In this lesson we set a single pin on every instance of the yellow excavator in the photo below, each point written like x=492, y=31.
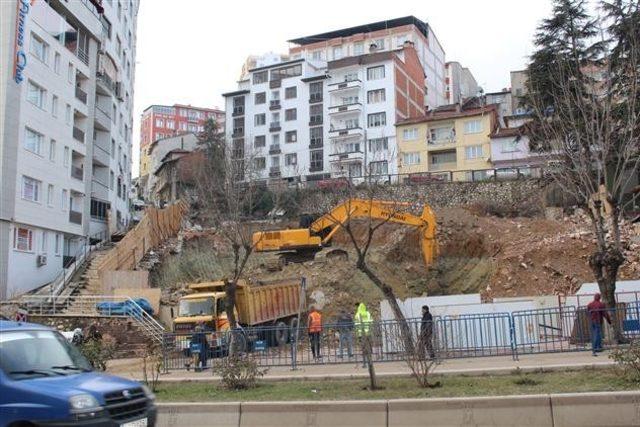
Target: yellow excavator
x=303, y=243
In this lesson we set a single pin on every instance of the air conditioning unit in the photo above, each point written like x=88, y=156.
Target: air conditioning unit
x=41, y=260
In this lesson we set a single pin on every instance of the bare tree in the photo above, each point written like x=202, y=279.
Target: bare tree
x=584, y=90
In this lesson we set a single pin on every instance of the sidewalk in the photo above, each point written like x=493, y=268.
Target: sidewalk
x=132, y=368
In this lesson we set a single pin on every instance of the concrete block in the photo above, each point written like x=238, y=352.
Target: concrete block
x=314, y=414
x=596, y=409
x=198, y=414
x=472, y=411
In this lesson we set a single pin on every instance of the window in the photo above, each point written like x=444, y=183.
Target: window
x=33, y=141
x=39, y=48
x=378, y=144
x=290, y=114
x=441, y=134
x=315, y=114
x=401, y=39
x=358, y=48
x=411, y=158
x=375, y=96
x=375, y=73
x=70, y=73
x=56, y=63
x=238, y=126
x=159, y=123
x=170, y=124
x=112, y=180
x=317, y=160
x=52, y=150
x=283, y=73
x=337, y=52
x=67, y=114
x=348, y=100
x=509, y=146
x=275, y=161
x=260, y=77
x=65, y=159
x=315, y=91
x=315, y=136
x=259, y=141
x=275, y=139
x=410, y=134
x=31, y=189
x=376, y=120
x=290, y=159
x=290, y=92
x=473, y=152
x=54, y=106
x=440, y=158
x=35, y=94
x=65, y=200
x=473, y=126
x=99, y=210
x=23, y=239
x=259, y=163
x=379, y=168
x=260, y=98
x=350, y=147
x=50, y=195
x=43, y=242
x=57, y=247
x=291, y=136
x=275, y=120
x=113, y=149
x=260, y=119
x=316, y=55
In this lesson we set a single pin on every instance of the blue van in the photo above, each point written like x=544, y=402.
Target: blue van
x=45, y=381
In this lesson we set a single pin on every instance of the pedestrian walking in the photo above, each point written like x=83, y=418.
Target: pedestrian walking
x=426, y=331
x=315, y=329
x=345, y=333
x=362, y=323
x=597, y=312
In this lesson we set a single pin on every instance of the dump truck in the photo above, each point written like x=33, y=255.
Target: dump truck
x=274, y=305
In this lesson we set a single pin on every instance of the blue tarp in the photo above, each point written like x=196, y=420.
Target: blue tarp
x=125, y=308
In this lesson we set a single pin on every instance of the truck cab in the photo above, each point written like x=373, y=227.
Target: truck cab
x=45, y=380
x=207, y=308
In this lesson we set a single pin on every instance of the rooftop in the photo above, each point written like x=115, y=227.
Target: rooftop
x=422, y=26
x=215, y=109
x=451, y=111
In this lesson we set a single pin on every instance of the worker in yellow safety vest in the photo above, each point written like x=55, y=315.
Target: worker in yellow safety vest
x=362, y=322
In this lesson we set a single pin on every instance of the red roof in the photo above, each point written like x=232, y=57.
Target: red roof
x=447, y=112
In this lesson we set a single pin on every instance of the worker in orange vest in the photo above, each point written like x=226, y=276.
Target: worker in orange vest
x=315, y=329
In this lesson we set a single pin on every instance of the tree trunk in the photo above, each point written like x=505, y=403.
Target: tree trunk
x=230, y=287
x=605, y=264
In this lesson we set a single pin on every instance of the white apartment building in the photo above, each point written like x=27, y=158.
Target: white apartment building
x=331, y=110
x=66, y=104
x=460, y=83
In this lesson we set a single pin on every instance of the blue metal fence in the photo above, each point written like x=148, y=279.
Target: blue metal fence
x=547, y=330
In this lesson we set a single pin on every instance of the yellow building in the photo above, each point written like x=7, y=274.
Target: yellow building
x=449, y=143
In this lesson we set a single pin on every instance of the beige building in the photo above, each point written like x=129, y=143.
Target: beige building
x=449, y=143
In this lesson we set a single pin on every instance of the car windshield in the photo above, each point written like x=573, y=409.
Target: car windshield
x=196, y=307
x=29, y=354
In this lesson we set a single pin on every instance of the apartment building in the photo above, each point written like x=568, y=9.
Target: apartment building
x=66, y=98
x=449, y=142
x=460, y=83
x=163, y=121
x=386, y=35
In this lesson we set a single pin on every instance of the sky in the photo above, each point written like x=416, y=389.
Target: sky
x=191, y=51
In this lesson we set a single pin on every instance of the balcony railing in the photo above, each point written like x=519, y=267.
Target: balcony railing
x=442, y=166
x=274, y=105
x=315, y=120
x=106, y=81
x=81, y=95
x=273, y=84
x=274, y=171
x=83, y=55
x=274, y=149
x=315, y=97
x=238, y=132
x=75, y=217
x=316, y=143
x=238, y=111
x=78, y=134
x=77, y=173
x=274, y=126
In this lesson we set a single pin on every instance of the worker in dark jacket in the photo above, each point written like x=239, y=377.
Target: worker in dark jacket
x=597, y=311
x=426, y=331
x=345, y=332
x=200, y=348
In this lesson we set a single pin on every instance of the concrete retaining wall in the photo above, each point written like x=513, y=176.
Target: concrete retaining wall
x=557, y=410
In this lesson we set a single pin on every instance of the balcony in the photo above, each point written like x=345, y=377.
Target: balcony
x=77, y=172
x=274, y=171
x=345, y=133
x=347, y=157
x=106, y=83
x=275, y=149
x=443, y=166
x=78, y=135
x=344, y=109
x=316, y=167
x=316, y=143
x=315, y=120
x=75, y=217
x=102, y=119
x=99, y=190
x=101, y=155
x=274, y=126
x=345, y=85
x=441, y=141
x=238, y=132
x=315, y=97
x=238, y=111
x=274, y=105
x=274, y=84
x=81, y=95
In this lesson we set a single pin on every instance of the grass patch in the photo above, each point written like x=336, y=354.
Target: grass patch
x=395, y=388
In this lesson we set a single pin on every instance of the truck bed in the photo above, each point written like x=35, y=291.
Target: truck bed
x=268, y=302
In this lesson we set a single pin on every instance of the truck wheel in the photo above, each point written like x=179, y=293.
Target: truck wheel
x=281, y=333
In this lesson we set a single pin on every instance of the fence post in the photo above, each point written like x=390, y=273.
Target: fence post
x=512, y=333
x=164, y=353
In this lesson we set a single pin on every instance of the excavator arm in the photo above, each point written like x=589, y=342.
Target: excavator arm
x=321, y=231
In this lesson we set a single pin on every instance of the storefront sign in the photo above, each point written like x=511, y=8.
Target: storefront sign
x=19, y=53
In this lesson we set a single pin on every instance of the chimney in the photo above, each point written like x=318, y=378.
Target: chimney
x=373, y=47
x=408, y=43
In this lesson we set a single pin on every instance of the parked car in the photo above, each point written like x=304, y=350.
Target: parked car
x=333, y=184
x=45, y=380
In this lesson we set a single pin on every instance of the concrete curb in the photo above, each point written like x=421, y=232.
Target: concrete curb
x=558, y=410
x=399, y=374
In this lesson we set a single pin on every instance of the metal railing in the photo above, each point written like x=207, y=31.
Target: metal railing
x=81, y=95
x=558, y=329
x=78, y=134
x=75, y=217
x=95, y=305
x=77, y=172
